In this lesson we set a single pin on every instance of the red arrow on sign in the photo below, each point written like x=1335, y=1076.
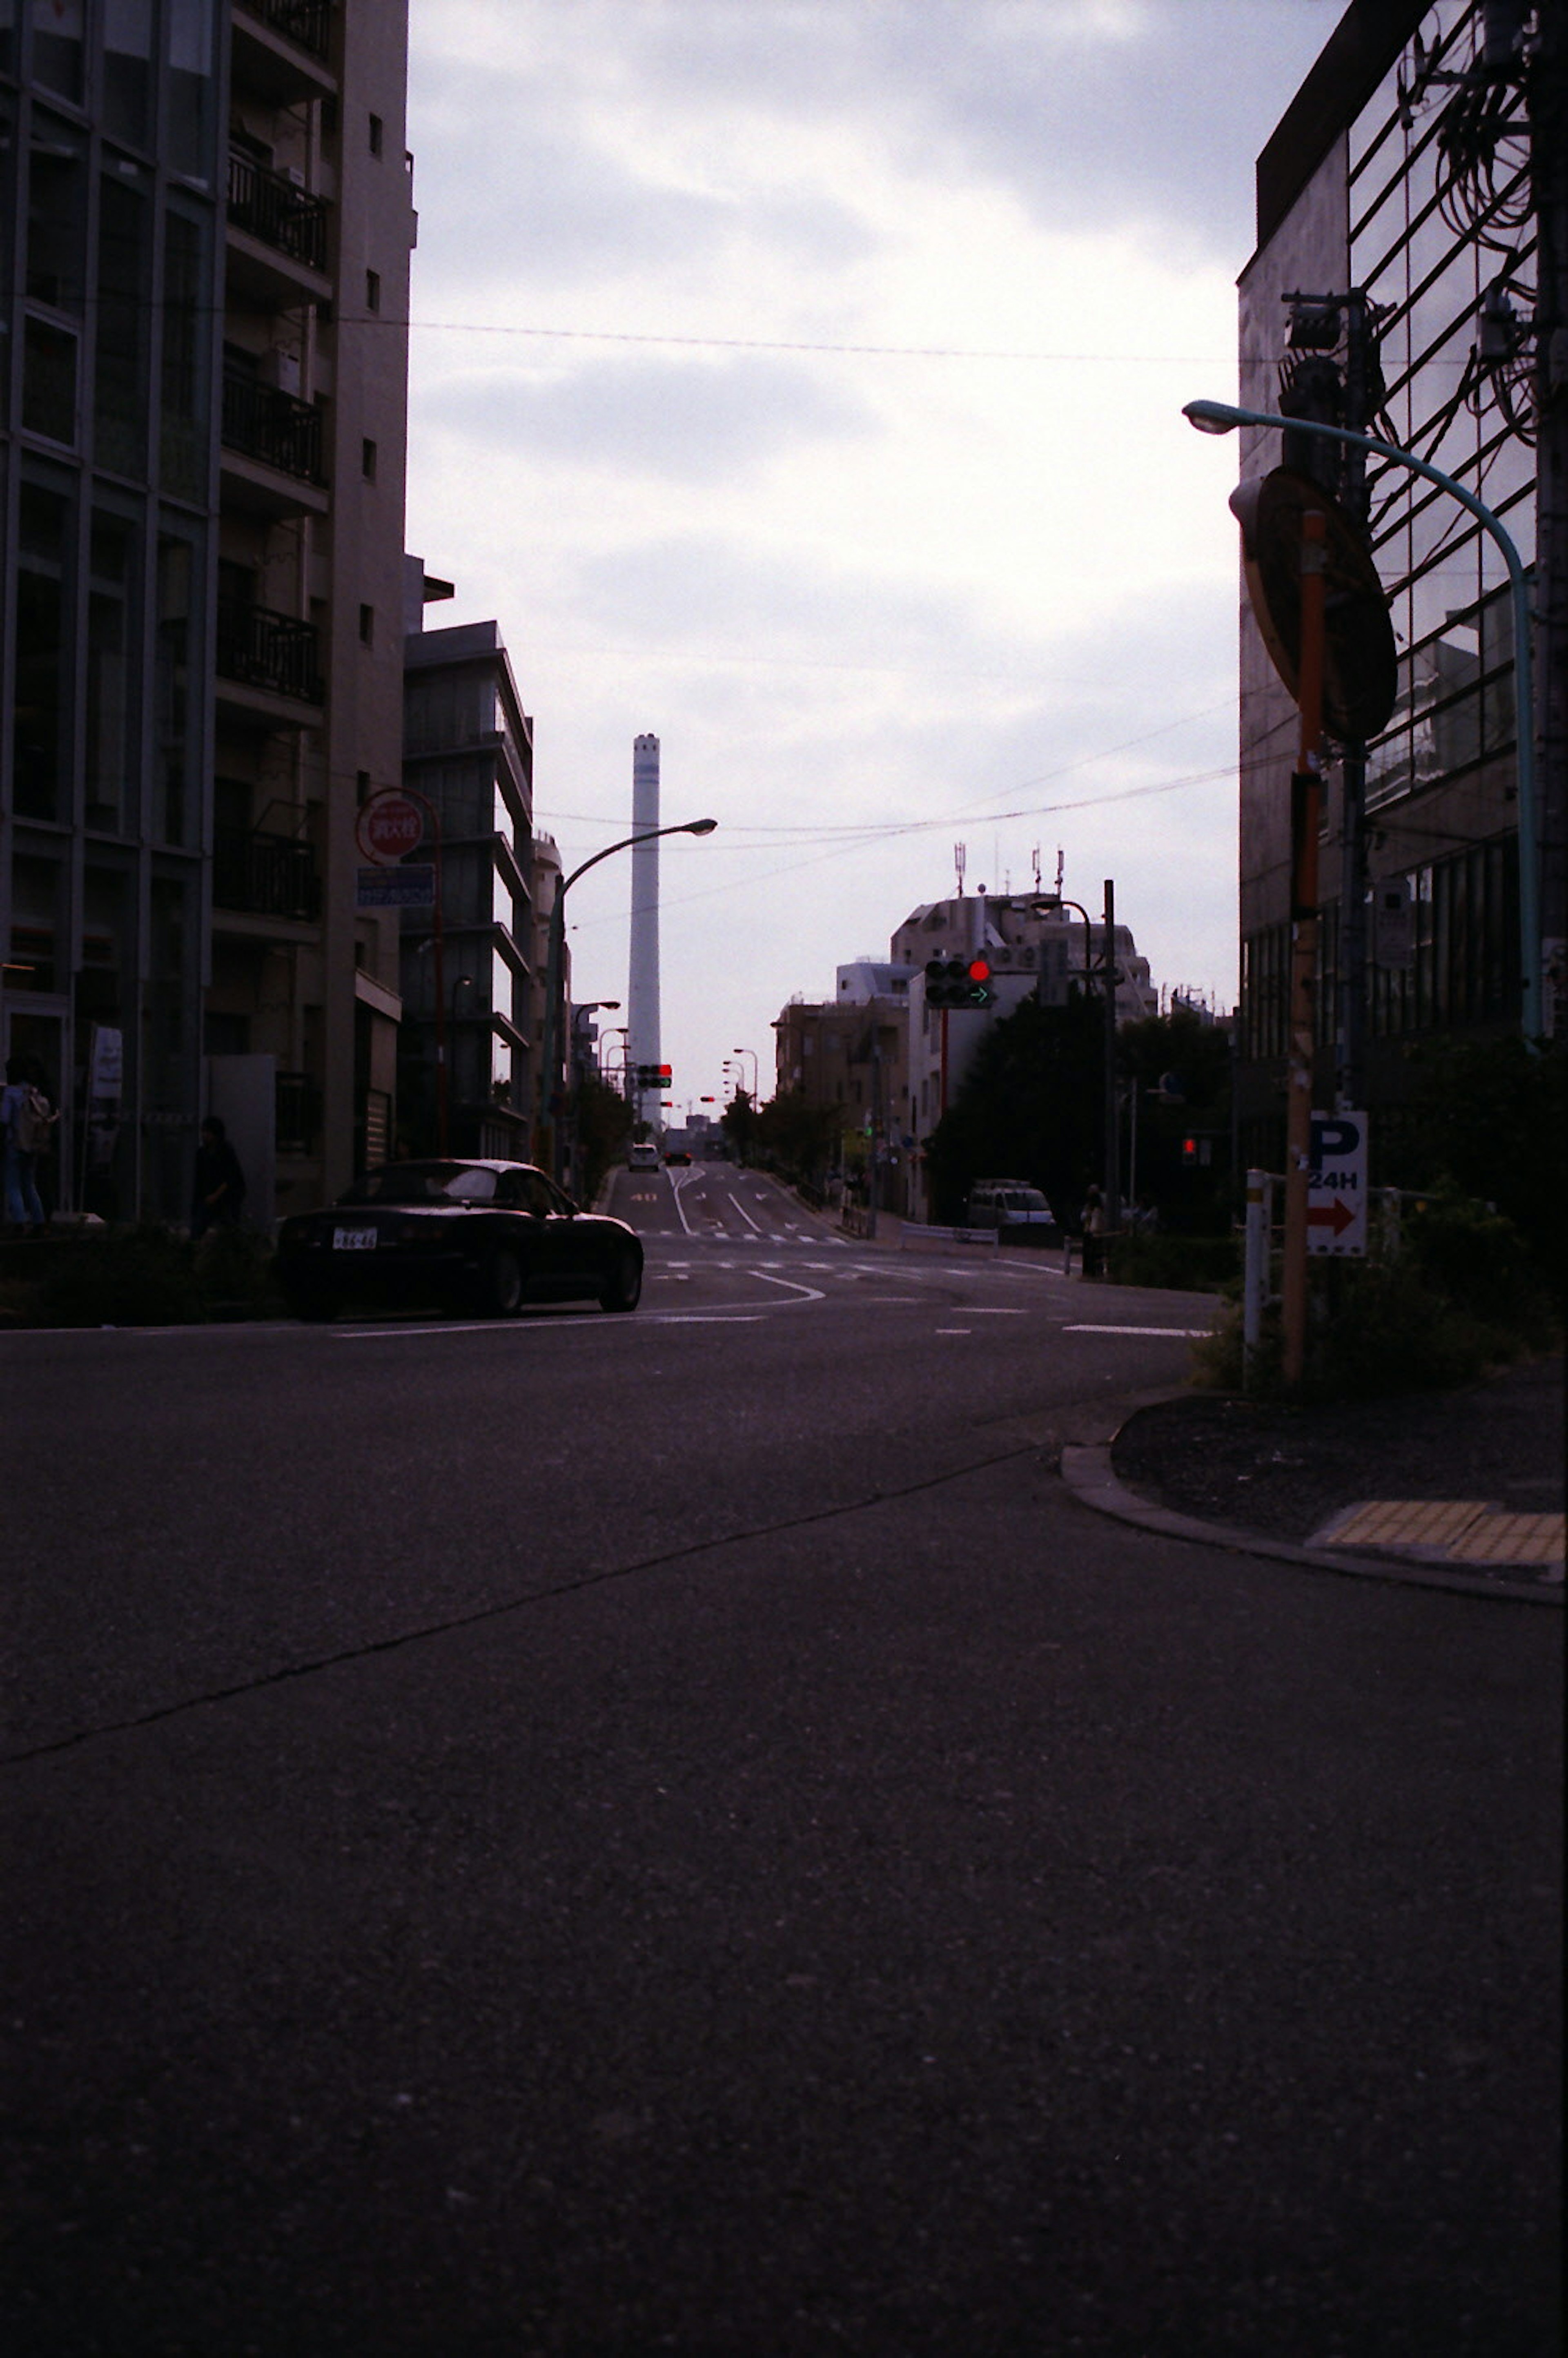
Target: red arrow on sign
x=1337, y=1216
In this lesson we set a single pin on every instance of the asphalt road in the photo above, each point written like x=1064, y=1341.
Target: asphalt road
x=607, y=1835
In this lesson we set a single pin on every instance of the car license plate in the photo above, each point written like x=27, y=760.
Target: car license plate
x=353, y=1240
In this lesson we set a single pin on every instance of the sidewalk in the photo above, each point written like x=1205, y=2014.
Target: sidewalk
x=1452, y=1489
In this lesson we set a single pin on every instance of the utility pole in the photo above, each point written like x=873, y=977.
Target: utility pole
x=1317, y=388
x=1546, y=96
x=1113, y=1123
x=1306, y=803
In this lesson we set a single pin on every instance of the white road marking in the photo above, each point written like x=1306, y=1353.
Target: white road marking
x=680, y=1208
x=1193, y=1334
x=754, y=1224
x=811, y=1293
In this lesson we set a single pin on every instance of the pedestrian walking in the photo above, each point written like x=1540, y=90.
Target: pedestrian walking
x=27, y=1119
x=219, y=1193
x=1092, y=1222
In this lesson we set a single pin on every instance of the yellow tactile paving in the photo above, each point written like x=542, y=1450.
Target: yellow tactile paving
x=1409, y=1522
x=1453, y=1531
x=1500, y=1538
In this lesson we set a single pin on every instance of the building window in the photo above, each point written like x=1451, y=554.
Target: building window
x=367, y=626
x=373, y=290
x=44, y=700
x=375, y=135
x=367, y=460
x=48, y=380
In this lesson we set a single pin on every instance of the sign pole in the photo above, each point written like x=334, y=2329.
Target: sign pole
x=438, y=956
x=1306, y=800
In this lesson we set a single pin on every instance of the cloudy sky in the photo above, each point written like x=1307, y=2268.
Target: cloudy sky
x=801, y=380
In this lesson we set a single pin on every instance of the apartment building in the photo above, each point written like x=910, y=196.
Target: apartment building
x=469, y=754
x=209, y=215
x=1409, y=181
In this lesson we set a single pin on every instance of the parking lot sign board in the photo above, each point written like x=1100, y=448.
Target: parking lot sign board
x=1336, y=1191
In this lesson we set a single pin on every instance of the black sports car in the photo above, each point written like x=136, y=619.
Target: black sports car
x=473, y=1235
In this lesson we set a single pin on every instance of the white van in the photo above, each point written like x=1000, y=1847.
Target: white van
x=1012, y=1207
x=643, y=1155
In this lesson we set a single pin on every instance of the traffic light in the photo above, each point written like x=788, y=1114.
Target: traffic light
x=959, y=982
x=654, y=1076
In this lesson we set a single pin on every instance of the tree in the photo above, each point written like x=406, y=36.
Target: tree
x=802, y=1140
x=739, y=1123
x=1031, y=1108
x=1180, y=1067
x=603, y=1127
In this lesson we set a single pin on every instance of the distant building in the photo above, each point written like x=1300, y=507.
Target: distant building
x=851, y=1059
x=891, y=1064
x=469, y=750
x=1032, y=955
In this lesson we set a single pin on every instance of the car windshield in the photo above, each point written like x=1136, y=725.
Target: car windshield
x=1024, y=1199
x=423, y=1183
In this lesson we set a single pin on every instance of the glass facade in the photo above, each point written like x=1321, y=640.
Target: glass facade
x=1428, y=240
x=1426, y=181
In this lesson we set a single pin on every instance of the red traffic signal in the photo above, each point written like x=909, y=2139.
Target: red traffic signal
x=959, y=982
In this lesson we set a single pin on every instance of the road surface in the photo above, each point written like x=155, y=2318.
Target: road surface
x=595, y=1834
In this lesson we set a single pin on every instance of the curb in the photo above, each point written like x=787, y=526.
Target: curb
x=1089, y=1473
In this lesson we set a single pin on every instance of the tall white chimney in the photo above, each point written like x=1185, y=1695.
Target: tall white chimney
x=643, y=978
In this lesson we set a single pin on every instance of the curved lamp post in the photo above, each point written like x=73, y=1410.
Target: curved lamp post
x=1223, y=418
x=554, y=975
x=756, y=1069
x=1045, y=904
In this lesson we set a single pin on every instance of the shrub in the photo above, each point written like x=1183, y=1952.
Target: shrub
x=1480, y=1263
x=235, y=1272
x=1188, y=1264
x=1456, y=1293
x=133, y=1277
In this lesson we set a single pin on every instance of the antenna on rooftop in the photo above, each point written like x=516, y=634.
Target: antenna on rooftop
x=960, y=861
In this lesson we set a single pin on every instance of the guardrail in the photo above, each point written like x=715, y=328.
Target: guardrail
x=911, y=1238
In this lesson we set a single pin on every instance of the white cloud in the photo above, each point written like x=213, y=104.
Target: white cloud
x=847, y=585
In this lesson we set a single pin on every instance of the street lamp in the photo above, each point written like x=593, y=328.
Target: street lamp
x=555, y=964
x=1223, y=418
x=756, y=1069
x=621, y=1031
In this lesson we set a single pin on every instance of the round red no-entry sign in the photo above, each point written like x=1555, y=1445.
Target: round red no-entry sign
x=389, y=826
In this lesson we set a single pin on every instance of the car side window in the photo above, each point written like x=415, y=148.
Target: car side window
x=529, y=1191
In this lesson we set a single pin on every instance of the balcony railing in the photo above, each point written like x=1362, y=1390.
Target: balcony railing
x=307, y=22
x=265, y=875
x=264, y=423
x=271, y=208
x=262, y=649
